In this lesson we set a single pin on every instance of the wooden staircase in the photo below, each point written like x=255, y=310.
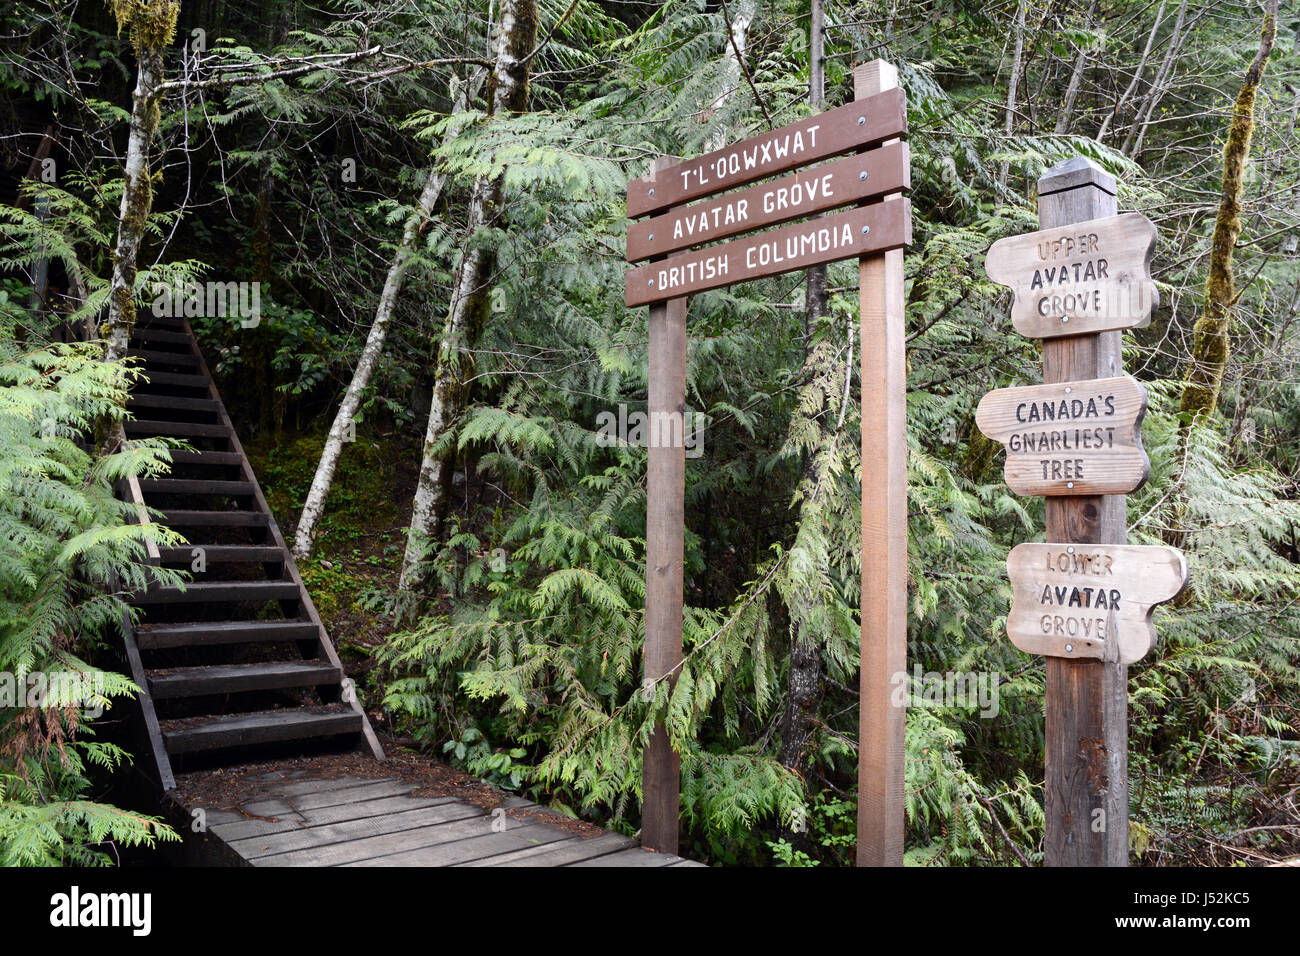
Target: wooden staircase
x=236, y=662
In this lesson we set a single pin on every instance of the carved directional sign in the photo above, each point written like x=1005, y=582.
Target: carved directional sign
x=1089, y=277
x=854, y=179
x=859, y=232
x=1090, y=600
x=865, y=122
x=1072, y=438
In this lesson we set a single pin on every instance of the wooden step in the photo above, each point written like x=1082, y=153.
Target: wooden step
x=215, y=519
x=148, y=320
x=163, y=358
x=218, y=591
x=173, y=401
x=195, y=486
x=178, y=379
x=156, y=333
x=223, y=554
x=240, y=678
x=201, y=457
x=299, y=723
x=146, y=428
x=154, y=637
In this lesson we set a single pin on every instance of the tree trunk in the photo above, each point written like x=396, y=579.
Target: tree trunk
x=806, y=688
x=1076, y=78
x=1137, y=133
x=151, y=28
x=1210, y=342
x=1292, y=241
x=1013, y=82
x=803, y=699
x=508, y=92
x=260, y=347
x=341, y=430
x=151, y=25
x=737, y=44
x=1137, y=75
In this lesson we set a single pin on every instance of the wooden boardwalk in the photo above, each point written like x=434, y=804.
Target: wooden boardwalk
x=300, y=820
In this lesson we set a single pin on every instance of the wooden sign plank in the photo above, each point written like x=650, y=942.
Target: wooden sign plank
x=861, y=123
x=1090, y=600
x=1070, y=438
x=886, y=225
x=868, y=175
x=1093, y=276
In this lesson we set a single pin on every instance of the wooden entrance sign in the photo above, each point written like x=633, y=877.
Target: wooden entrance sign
x=886, y=225
x=866, y=176
x=1088, y=277
x=1075, y=438
x=862, y=123
x=875, y=231
x=1084, y=598
x=1078, y=600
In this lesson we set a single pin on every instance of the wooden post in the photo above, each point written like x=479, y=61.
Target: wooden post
x=884, y=535
x=1086, y=789
x=665, y=541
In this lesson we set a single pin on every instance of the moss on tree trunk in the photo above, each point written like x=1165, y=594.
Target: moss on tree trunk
x=1204, y=378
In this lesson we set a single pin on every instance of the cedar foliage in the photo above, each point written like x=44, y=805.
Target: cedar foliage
x=71, y=549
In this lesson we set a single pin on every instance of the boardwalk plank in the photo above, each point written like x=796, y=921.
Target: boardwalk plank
x=329, y=798
x=354, y=821
x=631, y=857
x=479, y=846
x=387, y=844
x=322, y=835
x=286, y=818
x=570, y=851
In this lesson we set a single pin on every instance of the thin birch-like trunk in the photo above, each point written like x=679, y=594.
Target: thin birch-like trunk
x=151, y=25
x=516, y=40
x=1076, y=79
x=1138, y=131
x=1013, y=83
x=341, y=429
x=137, y=203
x=737, y=45
x=1137, y=75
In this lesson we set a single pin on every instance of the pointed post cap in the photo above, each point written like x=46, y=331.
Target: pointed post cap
x=1073, y=173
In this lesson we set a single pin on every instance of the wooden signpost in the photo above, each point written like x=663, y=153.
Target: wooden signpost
x=1079, y=279
x=1075, y=438
x=874, y=231
x=1077, y=600
x=1084, y=599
